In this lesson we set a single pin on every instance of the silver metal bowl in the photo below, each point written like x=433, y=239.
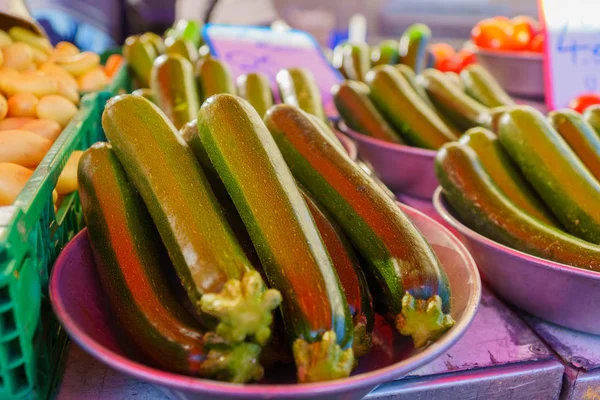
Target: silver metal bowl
x=558, y=293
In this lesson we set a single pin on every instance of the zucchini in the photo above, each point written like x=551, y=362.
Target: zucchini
x=256, y=88
x=132, y=264
x=216, y=274
x=580, y=136
x=456, y=79
x=483, y=207
x=174, y=88
x=385, y=52
x=405, y=277
x=293, y=256
x=157, y=42
x=140, y=56
x=297, y=87
x=337, y=59
x=357, y=61
x=182, y=47
x=350, y=274
x=352, y=101
x=505, y=174
x=554, y=170
x=214, y=77
x=413, y=46
x=592, y=117
x=483, y=87
x=461, y=109
x=495, y=115
x=405, y=110
x=145, y=93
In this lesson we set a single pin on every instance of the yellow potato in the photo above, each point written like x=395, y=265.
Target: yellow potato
x=79, y=64
x=55, y=71
x=3, y=107
x=14, y=123
x=57, y=108
x=1, y=59
x=64, y=49
x=23, y=147
x=67, y=91
x=43, y=127
x=39, y=57
x=30, y=82
x=19, y=34
x=93, y=80
x=18, y=56
x=67, y=181
x=22, y=105
x=13, y=178
x=5, y=39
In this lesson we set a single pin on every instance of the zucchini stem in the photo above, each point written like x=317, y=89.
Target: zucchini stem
x=362, y=338
x=237, y=364
x=423, y=320
x=322, y=360
x=244, y=309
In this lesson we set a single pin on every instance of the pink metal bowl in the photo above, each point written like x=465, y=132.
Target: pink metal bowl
x=405, y=169
x=559, y=293
x=348, y=144
x=80, y=304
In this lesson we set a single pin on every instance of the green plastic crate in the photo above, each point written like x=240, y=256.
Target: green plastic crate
x=32, y=234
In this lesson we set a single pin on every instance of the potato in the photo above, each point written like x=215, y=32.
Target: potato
x=22, y=105
x=93, y=80
x=13, y=178
x=18, y=56
x=64, y=49
x=67, y=181
x=19, y=34
x=54, y=70
x=23, y=147
x=3, y=107
x=43, y=127
x=69, y=92
x=30, y=82
x=5, y=39
x=57, y=108
x=13, y=123
x=79, y=64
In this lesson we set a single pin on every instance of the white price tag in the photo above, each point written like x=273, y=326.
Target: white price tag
x=572, y=54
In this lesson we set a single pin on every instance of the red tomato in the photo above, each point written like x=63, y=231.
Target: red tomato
x=530, y=23
x=537, y=43
x=493, y=33
x=450, y=64
x=582, y=102
x=521, y=36
x=442, y=50
x=466, y=57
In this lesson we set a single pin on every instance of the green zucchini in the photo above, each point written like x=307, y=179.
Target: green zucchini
x=132, y=264
x=157, y=42
x=592, y=117
x=413, y=46
x=404, y=274
x=505, y=174
x=214, y=77
x=386, y=52
x=554, y=170
x=292, y=253
x=461, y=109
x=216, y=274
x=456, y=79
x=350, y=274
x=483, y=87
x=405, y=110
x=483, y=207
x=297, y=87
x=352, y=101
x=256, y=88
x=357, y=61
x=580, y=136
x=140, y=56
x=174, y=88
x=182, y=47
x=337, y=59
x=495, y=116
x=145, y=93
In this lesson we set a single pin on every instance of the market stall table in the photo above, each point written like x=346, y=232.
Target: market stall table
x=499, y=354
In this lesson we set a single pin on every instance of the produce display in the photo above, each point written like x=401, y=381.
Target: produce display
x=519, y=34
x=521, y=199
x=202, y=190
x=40, y=86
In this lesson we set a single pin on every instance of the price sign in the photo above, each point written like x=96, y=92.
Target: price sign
x=252, y=49
x=572, y=54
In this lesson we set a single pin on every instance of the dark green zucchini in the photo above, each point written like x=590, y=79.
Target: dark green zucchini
x=292, y=253
x=216, y=274
x=385, y=52
x=132, y=264
x=592, y=117
x=357, y=61
x=413, y=46
x=256, y=88
x=214, y=77
x=408, y=284
x=483, y=87
x=482, y=206
x=297, y=87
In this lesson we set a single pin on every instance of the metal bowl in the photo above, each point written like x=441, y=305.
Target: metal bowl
x=519, y=73
x=81, y=306
x=348, y=144
x=556, y=292
x=405, y=169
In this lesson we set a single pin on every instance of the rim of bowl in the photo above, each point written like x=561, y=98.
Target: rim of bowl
x=348, y=143
x=182, y=382
x=439, y=203
x=521, y=55
x=382, y=143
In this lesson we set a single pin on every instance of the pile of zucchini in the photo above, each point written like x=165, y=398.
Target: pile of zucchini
x=239, y=233
x=532, y=184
